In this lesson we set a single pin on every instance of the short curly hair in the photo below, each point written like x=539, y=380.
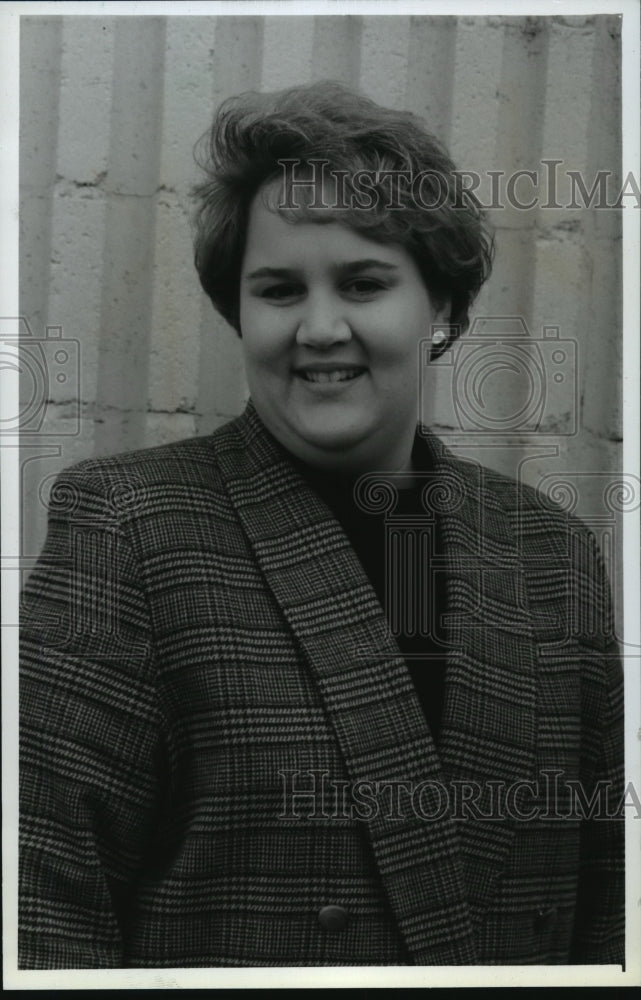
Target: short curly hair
x=254, y=135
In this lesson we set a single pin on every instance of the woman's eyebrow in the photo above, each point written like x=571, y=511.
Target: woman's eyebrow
x=272, y=272
x=353, y=266
x=347, y=268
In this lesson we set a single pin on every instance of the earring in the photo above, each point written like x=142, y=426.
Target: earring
x=439, y=337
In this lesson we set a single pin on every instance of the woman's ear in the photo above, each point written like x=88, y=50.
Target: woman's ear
x=443, y=331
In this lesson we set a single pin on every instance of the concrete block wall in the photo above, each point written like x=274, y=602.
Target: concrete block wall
x=110, y=110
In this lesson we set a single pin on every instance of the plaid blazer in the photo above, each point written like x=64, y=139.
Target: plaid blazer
x=223, y=758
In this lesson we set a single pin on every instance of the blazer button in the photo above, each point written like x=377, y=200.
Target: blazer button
x=333, y=918
x=543, y=918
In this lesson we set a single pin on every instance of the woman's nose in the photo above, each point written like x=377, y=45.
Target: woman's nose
x=323, y=324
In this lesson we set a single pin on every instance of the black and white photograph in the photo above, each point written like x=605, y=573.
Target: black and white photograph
x=321, y=495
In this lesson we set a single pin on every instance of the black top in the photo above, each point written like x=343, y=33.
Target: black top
x=396, y=549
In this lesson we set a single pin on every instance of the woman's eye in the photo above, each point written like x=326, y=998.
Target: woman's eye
x=281, y=291
x=364, y=287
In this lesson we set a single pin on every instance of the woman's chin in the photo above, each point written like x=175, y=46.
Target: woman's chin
x=332, y=438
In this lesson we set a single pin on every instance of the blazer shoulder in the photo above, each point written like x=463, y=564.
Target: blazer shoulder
x=190, y=461
x=544, y=528
x=521, y=501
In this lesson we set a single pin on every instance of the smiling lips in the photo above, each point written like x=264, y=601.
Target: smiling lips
x=330, y=374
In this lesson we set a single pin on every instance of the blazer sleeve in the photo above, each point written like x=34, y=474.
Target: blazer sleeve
x=599, y=931
x=90, y=743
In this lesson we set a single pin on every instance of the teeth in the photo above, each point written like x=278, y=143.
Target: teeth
x=335, y=376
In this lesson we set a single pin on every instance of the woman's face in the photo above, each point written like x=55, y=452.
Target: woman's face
x=331, y=324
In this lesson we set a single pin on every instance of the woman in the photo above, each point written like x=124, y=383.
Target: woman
x=236, y=750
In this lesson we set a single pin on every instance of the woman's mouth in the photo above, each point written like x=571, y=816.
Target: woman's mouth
x=329, y=375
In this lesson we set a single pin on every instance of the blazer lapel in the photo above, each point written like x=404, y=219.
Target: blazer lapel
x=428, y=863
x=488, y=733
